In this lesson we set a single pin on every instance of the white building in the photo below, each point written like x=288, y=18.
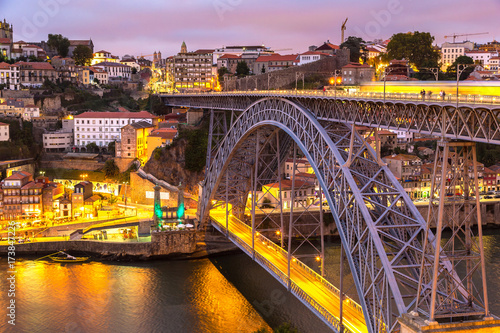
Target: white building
x=115, y=70
x=451, y=51
x=103, y=128
x=57, y=141
x=103, y=56
x=493, y=64
x=481, y=57
x=4, y=132
x=311, y=56
x=10, y=76
x=132, y=63
x=30, y=111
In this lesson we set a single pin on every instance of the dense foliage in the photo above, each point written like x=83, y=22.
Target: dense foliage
x=415, y=47
x=59, y=43
x=357, y=49
x=82, y=55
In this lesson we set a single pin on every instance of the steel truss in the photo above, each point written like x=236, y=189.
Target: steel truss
x=380, y=228
x=454, y=204
x=478, y=123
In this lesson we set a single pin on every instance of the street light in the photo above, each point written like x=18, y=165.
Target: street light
x=83, y=176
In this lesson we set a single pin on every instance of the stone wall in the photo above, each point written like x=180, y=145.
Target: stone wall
x=139, y=186
x=123, y=163
x=162, y=244
x=286, y=77
x=91, y=165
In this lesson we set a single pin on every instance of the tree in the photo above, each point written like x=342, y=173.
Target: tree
x=111, y=147
x=59, y=43
x=82, y=55
x=221, y=72
x=242, y=69
x=91, y=147
x=451, y=71
x=96, y=80
x=110, y=169
x=357, y=49
x=263, y=70
x=415, y=47
x=134, y=70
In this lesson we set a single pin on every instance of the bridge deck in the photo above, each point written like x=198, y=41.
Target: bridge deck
x=314, y=291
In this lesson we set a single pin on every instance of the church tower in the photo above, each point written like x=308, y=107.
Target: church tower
x=184, y=48
x=5, y=30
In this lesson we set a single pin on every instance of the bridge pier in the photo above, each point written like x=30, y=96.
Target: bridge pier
x=415, y=324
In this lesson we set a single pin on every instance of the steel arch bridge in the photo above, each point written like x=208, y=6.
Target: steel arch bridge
x=383, y=245
x=381, y=230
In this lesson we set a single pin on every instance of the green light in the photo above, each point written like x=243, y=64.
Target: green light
x=158, y=212
x=180, y=211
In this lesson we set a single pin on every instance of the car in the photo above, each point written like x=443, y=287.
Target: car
x=488, y=197
x=497, y=196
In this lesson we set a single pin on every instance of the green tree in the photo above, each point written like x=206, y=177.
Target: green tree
x=82, y=55
x=357, y=49
x=286, y=328
x=415, y=47
x=110, y=169
x=59, y=43
x=111, y=147
x=451, y=71
x=96, y=80
x=242, y=69
x=221, y=71
x=91, y=147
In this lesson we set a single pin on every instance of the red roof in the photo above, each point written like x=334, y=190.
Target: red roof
x=36, y=65
x=5, y=41
x=277, y=57
x=32, y=185
x=18, y=175
x=286, y=184
x=356, y=65
x=372, y=49
x=204, y=51
x=164, y=133
x=328, y=46
x=316, y=53
x=4, y=124
x=108, y=114
x=229, y=56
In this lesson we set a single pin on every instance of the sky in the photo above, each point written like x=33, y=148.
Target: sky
x=287, y=26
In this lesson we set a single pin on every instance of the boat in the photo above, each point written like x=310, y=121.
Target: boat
x=69, y=259
x=64, y=257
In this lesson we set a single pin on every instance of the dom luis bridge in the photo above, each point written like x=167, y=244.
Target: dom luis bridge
x=407, y=278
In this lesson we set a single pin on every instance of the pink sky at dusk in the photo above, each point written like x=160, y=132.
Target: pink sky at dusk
x=135, y=27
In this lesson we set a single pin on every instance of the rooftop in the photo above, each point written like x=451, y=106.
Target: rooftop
x=110, y=114
x=141, y=124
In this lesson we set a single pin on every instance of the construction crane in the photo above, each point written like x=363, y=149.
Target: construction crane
x=474, y=34
x=342, y=29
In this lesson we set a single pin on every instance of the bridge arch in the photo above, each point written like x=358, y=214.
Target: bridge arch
x=379, y=226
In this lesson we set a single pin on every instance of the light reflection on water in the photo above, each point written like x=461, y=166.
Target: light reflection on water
x=216, y=295
x=158, y=296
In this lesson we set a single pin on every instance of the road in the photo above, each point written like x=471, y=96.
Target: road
x=353, y=318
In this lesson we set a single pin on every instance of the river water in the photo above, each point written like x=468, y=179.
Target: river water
x=223, y=294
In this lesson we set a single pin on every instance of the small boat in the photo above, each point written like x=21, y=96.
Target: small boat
x=69, y=259
x=64, y=257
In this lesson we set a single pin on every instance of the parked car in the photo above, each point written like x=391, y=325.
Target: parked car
x=488, y=197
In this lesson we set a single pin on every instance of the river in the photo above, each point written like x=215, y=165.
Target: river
x=222, y=294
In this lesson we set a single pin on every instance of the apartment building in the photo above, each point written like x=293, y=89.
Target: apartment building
x=103, y=128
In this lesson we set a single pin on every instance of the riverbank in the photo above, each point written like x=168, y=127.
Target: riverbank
x=176, y=245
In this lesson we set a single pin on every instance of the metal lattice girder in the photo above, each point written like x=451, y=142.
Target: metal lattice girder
x=378, y=224
x=454, y=205
x=478, y=123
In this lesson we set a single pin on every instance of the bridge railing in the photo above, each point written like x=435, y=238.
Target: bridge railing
x=449, y=98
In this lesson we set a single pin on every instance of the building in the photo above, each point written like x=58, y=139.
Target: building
x=98, y=76
x=160, y=138
x=73, y=44
x=4, y=132
x=51, y=193
x=12, y=108
x=493, y=64
x=407, y=169
x=82, y=192
x=274, y=62
x=481, y=57
x=13, y=193
x=328, y=47
x=355, y=73
x=30, y=111
x=229, y=61
x=103, y=56
x=191, y=70
x=115, y=70
x=311, y=56
x=489, y=180
x=304, y=196
x=132, y=63
x=33, y=74
x=301, y=166
x=451, y=51
x=133, y=143
x=241, y=51
x=58, y=141
x=103, y=128
x=10, y=76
